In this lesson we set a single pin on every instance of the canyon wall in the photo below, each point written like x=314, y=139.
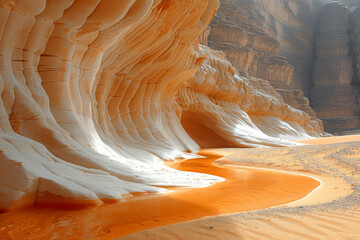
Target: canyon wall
x=221, y=108
x=87, y=91
x=301, y=48
x=293, y=24
x=257, y=36
x=93, y=94
x=348, y=3
x=335, y=95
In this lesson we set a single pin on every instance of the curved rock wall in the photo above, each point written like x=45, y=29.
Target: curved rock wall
x=348, y=3
x=88, y=92
x=244, y=112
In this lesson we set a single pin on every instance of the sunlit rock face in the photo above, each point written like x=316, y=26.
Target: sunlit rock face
x=88, y=91
x=217, y=104
x=87, y=98
x=335, y=94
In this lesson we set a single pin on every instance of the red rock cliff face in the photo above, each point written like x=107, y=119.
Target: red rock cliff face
x=92, y=94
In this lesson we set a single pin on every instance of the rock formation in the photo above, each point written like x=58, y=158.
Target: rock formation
x=86, y=98
x=348, y=3
x=288, y=43
x=217, y=103
x=333, y=97
x=247, y=31
x=238, y=30
x=88, y=92
x=355, y=45
x=293, y=23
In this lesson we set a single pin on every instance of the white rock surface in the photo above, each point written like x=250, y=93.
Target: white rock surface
x=87, y=106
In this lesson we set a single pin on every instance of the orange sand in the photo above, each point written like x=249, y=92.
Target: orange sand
x=329, y=140
x=245, y=189
x=331, y=212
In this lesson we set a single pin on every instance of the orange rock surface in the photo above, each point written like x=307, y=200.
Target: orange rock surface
x=92, y=94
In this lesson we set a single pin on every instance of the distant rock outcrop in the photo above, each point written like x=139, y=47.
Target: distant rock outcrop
x=238, y=30
x=304, y=48
x=293, y=23
x=355, y=44
x=246, y=30
x=334, y=97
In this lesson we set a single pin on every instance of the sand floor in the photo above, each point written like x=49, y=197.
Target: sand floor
x=329, y=140
x=330, y=212
x=244, y=189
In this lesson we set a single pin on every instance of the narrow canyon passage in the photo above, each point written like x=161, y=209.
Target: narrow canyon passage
x=244, y=190
x=95, y=95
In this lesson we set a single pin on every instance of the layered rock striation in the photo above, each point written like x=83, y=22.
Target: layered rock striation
x=293, y=24
x=223, y=109
x=305, y=49
x=334, y=95
x=253, y=33
x=355, y=44
x=238, y=30
x=92, y=94
x=87, y=91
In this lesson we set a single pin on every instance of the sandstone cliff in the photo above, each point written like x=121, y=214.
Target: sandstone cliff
x=301, y=52
x=88, y=93
x=293, y=24
x=223, y=109
x=256, y=35
x=335, y=94
x=86, y=97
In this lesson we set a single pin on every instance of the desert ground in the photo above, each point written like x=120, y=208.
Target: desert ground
x=332, y=211
x=241, y=189
x=302, y=192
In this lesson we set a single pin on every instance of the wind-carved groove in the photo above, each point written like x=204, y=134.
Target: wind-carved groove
x=102, y=87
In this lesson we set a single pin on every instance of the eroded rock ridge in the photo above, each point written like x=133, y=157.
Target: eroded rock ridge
x=92, y=94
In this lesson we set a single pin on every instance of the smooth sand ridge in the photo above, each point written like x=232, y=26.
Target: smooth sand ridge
x=329, y=140
x=244, y=190
x=331, y=212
